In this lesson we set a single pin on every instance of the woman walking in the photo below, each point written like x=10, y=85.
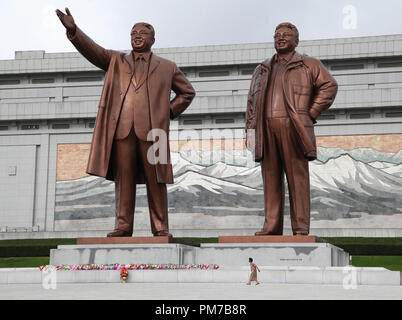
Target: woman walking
x=253, y=275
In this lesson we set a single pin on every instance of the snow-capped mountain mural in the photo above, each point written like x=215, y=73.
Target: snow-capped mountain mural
x=218, y=189
x=365, y=155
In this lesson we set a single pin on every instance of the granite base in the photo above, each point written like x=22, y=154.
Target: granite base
x=315, y=254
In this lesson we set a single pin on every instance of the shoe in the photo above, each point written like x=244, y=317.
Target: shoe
x=300, y=233
x=119, y=233
x=162, y=234
x=266, y=233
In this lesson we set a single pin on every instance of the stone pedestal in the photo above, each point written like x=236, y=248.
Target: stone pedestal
x=273, y=254
x=230, y=252
x=274, y=251
x=169, y=253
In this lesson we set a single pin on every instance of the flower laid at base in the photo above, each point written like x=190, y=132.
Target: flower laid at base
x=130, y=267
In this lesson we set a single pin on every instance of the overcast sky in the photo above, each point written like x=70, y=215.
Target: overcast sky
x=33, y=25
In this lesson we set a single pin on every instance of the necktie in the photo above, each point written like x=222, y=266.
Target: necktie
x=139, y=70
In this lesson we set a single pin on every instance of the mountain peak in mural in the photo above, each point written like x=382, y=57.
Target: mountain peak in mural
x=342, y=187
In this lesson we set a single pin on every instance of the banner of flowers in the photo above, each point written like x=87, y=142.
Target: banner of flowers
x=130, y=267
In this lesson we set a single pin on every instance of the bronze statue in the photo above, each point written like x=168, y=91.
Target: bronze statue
x=135, y=102
x=287, y=94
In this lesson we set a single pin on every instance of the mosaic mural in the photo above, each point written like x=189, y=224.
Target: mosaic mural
x=357, y=188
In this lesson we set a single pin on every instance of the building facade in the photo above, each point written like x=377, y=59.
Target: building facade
x=48, y=106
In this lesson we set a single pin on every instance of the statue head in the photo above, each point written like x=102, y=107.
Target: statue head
x=286, y=37
x=142, y=37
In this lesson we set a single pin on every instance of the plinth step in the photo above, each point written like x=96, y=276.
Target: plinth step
x=348, y=276
x=131, y=240
x=270, y=239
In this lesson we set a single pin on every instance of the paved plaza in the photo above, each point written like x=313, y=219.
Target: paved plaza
x=197, y=291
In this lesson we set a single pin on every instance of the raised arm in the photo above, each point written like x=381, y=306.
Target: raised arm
x=67, y=20
x=93, y=52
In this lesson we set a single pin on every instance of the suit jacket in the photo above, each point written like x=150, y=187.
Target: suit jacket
x=135, y=111
x=163, y=76
x=308, y=89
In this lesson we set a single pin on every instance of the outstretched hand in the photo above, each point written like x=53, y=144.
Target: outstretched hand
x=67, y=20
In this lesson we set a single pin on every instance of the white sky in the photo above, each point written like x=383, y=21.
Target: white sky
x=33, y=25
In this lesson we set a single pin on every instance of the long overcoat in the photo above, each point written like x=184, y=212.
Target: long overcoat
x=308, y=89
x=163, y=76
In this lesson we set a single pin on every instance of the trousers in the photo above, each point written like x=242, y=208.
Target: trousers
x=283, y=154
x=129, y=156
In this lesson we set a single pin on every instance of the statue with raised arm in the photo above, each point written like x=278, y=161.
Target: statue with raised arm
x=287, y=94
x=133, y=116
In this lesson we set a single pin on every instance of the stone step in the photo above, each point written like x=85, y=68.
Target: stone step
x=348, y=276
x=270, y=239
x=130, y=240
